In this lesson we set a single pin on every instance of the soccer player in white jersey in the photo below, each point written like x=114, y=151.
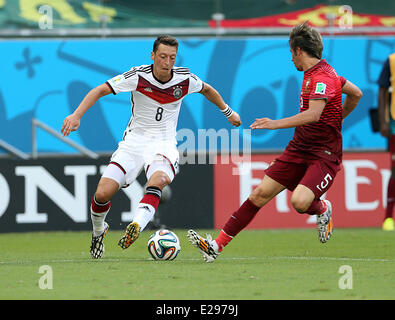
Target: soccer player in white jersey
x=149, y=140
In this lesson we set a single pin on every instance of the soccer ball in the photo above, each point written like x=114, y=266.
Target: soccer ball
x=164, y=245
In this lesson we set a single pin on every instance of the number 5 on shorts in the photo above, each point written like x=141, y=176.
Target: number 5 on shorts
x=324, y=183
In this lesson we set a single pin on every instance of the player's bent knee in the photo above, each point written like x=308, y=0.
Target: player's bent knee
x=300, y=205
x=159, y=179
x=102, y=196
x=160, y=173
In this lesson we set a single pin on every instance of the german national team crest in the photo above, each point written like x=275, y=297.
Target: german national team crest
x=177, y=93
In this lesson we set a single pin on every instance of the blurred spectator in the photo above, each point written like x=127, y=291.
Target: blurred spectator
x=386, y=110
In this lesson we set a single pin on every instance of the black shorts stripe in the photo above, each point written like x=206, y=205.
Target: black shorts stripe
x=171, y=165
x=119, y=166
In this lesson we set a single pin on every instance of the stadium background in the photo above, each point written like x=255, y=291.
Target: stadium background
x=46, y=184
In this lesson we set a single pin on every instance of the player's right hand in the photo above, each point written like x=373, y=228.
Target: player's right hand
x=264, y=123
x=70, y=123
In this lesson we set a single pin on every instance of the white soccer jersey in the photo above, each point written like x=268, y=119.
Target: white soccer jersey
x=155, y=105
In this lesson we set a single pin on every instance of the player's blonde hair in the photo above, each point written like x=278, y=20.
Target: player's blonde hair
x=306, y=38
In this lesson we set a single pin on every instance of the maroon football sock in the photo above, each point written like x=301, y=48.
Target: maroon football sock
x=317, y=207
x=390, y=198
x=97, y=207
x=150, y=199
x=237, y=222
x=222, y=240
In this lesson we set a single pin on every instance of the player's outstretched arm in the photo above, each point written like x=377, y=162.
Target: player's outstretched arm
x=354, y=94
x=311, y=115
x=213, y=96
x=72, y=122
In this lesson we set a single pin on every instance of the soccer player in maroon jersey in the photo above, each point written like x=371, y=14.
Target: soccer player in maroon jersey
x=386, y=108
x=312, y=158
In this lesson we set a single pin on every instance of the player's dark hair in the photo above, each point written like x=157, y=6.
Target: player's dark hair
x=166, y=40
x=306, y=38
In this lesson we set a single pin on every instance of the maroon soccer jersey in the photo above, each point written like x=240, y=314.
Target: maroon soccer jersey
x=322, y=139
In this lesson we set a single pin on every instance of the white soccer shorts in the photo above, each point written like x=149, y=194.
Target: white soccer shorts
x=138, y=152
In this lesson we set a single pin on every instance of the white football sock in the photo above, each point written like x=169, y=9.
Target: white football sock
x=98, y=222
x=144, y=214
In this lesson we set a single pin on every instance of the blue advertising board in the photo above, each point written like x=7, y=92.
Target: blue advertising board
x=47, y=79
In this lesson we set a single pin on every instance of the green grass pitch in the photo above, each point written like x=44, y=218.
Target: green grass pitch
x=256, y=265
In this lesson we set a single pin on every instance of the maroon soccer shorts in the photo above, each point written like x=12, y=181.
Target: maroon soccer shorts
x=317, y=175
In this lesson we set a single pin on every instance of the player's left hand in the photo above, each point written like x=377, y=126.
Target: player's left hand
x=264, y=123
x=235, y=119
